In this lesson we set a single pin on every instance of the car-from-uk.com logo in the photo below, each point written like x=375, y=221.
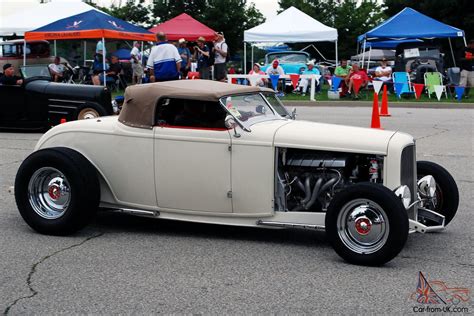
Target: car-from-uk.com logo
x=437, y=297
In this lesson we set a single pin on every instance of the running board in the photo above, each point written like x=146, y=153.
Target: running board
x=290, y=225
x=138, y=212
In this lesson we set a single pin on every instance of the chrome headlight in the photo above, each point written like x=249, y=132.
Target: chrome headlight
x=403, y=192
x=427, y=186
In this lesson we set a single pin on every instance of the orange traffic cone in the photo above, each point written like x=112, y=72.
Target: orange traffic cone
x=375, y=113
x=62, y=121
x=384, y=110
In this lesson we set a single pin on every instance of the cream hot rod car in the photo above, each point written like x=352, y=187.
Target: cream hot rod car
x=202, y=151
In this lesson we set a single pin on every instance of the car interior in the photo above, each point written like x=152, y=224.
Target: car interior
x=172, y=112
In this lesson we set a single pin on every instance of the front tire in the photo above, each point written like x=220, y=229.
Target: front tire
x=446, y=200
x=367, y=224
x=90, y=111
x=57, y=191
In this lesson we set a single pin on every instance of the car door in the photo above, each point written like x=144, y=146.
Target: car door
x=12, y=103
x=192, y=157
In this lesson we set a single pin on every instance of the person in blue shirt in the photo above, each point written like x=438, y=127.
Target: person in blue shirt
x=185, y=57
x=305, y=82
x=164, y=60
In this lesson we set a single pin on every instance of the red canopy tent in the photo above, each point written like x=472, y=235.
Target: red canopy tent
x=184, y=26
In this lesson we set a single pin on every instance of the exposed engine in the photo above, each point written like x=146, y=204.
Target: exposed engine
x=307, y=180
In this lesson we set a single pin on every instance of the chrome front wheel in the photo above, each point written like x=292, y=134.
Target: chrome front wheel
x=366, y=224
x=363, y=226
x=49, y=193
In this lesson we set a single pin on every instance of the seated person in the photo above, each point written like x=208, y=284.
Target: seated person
x=342, y=71
x=9, y=77
x=112, y=72
x=275, y=69
x=356, y=73
x=383, y=72
x=304, y=82
x=57, y=70
x=260, y=82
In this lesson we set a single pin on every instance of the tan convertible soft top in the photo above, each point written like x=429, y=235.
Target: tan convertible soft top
x=140, y=100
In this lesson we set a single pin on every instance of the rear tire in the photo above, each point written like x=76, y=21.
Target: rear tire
x=447, y=193
x=57, y=191
x=367, y=224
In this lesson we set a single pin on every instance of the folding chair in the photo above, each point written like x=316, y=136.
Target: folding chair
x=402, y=77
x=454, y=78
x=433, y=79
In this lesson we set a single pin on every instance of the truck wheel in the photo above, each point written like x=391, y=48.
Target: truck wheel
x=57, y=191
x=446, y=200
x=367, y=224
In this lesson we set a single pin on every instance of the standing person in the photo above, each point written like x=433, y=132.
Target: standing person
x=136, y=61
x=202, y=57
x=56, y=69
x=342, y=71
x=185, y=57
x=467, y=68
x=220, y=50
x=164, y=60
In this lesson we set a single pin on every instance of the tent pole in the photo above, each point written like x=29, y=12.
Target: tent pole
x=465, y=43
x=24, y=52
x=141, y=55
x=363, y=51
x=85, y=52
x=103, y=61
x=245, y=58
x=55, y=49
x=452, y=53
x=368, y=59
x=336, y=53
x=252, y=55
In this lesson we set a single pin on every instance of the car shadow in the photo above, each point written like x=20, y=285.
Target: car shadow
x=118, y=222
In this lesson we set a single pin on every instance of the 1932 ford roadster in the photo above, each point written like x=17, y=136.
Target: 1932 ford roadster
x=202, y=151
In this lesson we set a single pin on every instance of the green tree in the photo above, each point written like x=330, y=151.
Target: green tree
x=232, y=17
x=133, y=11
x=457, y=13
x=350, y=17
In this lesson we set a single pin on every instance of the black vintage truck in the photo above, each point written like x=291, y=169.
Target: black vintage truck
x=38, y=103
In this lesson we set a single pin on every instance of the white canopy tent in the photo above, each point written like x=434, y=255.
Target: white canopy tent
x=290, y=26
x=30, y=16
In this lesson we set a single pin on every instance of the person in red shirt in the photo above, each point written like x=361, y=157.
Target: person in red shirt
x=356, y=73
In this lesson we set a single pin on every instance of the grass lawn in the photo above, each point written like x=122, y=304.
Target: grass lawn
x=364, y=96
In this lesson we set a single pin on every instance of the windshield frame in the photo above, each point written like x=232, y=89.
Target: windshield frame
x=258, y=119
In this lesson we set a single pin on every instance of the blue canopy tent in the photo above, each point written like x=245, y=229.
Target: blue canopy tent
x=390, y=44
x=411, y=24
x=90, y=25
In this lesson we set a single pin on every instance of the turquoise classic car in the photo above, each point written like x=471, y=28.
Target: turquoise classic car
x=290, y=61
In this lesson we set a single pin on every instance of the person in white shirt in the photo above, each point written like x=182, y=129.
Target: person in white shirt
x=220, y=50
x=383, y=72
x=136, y=61
x=57, y=70
x=275, y=69
x=164, y=60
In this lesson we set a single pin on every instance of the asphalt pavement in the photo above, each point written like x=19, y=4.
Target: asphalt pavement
x=128, y=265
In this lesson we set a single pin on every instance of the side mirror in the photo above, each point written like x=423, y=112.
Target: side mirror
x=230, y=123
x=293, y=113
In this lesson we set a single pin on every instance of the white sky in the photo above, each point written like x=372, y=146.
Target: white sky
x=267, y=7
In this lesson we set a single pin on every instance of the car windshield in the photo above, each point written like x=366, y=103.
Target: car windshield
x=251, y=108
x=35, y=71
x=289, y=58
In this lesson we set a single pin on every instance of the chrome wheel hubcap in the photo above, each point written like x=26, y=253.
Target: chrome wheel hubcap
x=49, y=193
x=363, y=226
